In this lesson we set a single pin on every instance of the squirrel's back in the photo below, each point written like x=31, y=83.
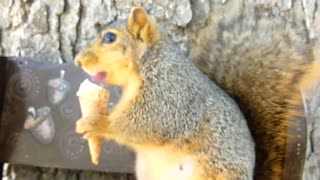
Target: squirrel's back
x=264, y=64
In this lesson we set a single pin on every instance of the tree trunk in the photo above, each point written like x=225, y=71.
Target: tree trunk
x=56, y=30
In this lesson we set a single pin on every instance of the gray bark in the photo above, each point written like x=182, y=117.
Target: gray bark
x=56, y=30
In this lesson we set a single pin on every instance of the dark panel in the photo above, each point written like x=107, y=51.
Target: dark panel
x=3, y=70
x=39, y=115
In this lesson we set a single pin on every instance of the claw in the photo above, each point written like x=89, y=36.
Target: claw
x=88, y=136
x=91, y=124
x=80, y=127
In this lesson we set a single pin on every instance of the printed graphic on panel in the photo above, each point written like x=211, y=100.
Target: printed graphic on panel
x=58, y=89
x=40, y=124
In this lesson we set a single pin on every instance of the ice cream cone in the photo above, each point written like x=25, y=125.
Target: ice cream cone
x=93, y=100
x=95, y=145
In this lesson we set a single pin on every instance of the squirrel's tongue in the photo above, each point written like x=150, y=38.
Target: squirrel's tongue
x=99, y=77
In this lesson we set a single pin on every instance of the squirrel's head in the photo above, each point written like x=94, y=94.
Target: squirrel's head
x=112, y=58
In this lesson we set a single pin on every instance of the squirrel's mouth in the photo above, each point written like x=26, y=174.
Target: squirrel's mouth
x=99, y=77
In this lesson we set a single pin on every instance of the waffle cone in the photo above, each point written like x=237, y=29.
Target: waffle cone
x=91, y=106
x=95, y=145
x=93, y=100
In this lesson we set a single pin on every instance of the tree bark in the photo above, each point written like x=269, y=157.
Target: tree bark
x=55, y=31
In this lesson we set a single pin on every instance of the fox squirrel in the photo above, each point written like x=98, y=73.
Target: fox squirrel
x=179, y=123
x=264, y=64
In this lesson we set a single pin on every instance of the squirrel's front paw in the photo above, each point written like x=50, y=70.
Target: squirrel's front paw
x=93, y=125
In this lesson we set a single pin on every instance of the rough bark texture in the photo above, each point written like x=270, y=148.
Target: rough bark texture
x=55, y=30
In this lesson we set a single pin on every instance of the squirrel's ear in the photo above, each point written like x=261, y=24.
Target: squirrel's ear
x=141, y=26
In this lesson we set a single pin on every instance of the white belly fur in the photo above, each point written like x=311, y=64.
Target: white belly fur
x=159, y=164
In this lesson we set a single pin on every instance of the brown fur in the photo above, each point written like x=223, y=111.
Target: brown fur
x=264, y=65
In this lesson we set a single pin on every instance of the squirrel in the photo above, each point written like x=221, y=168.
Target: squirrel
x=265, y=64
x=180, y=124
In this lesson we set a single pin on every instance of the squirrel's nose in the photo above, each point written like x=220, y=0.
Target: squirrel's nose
x=77, y=62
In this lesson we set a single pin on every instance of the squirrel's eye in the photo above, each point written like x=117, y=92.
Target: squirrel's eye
x=109, y=38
